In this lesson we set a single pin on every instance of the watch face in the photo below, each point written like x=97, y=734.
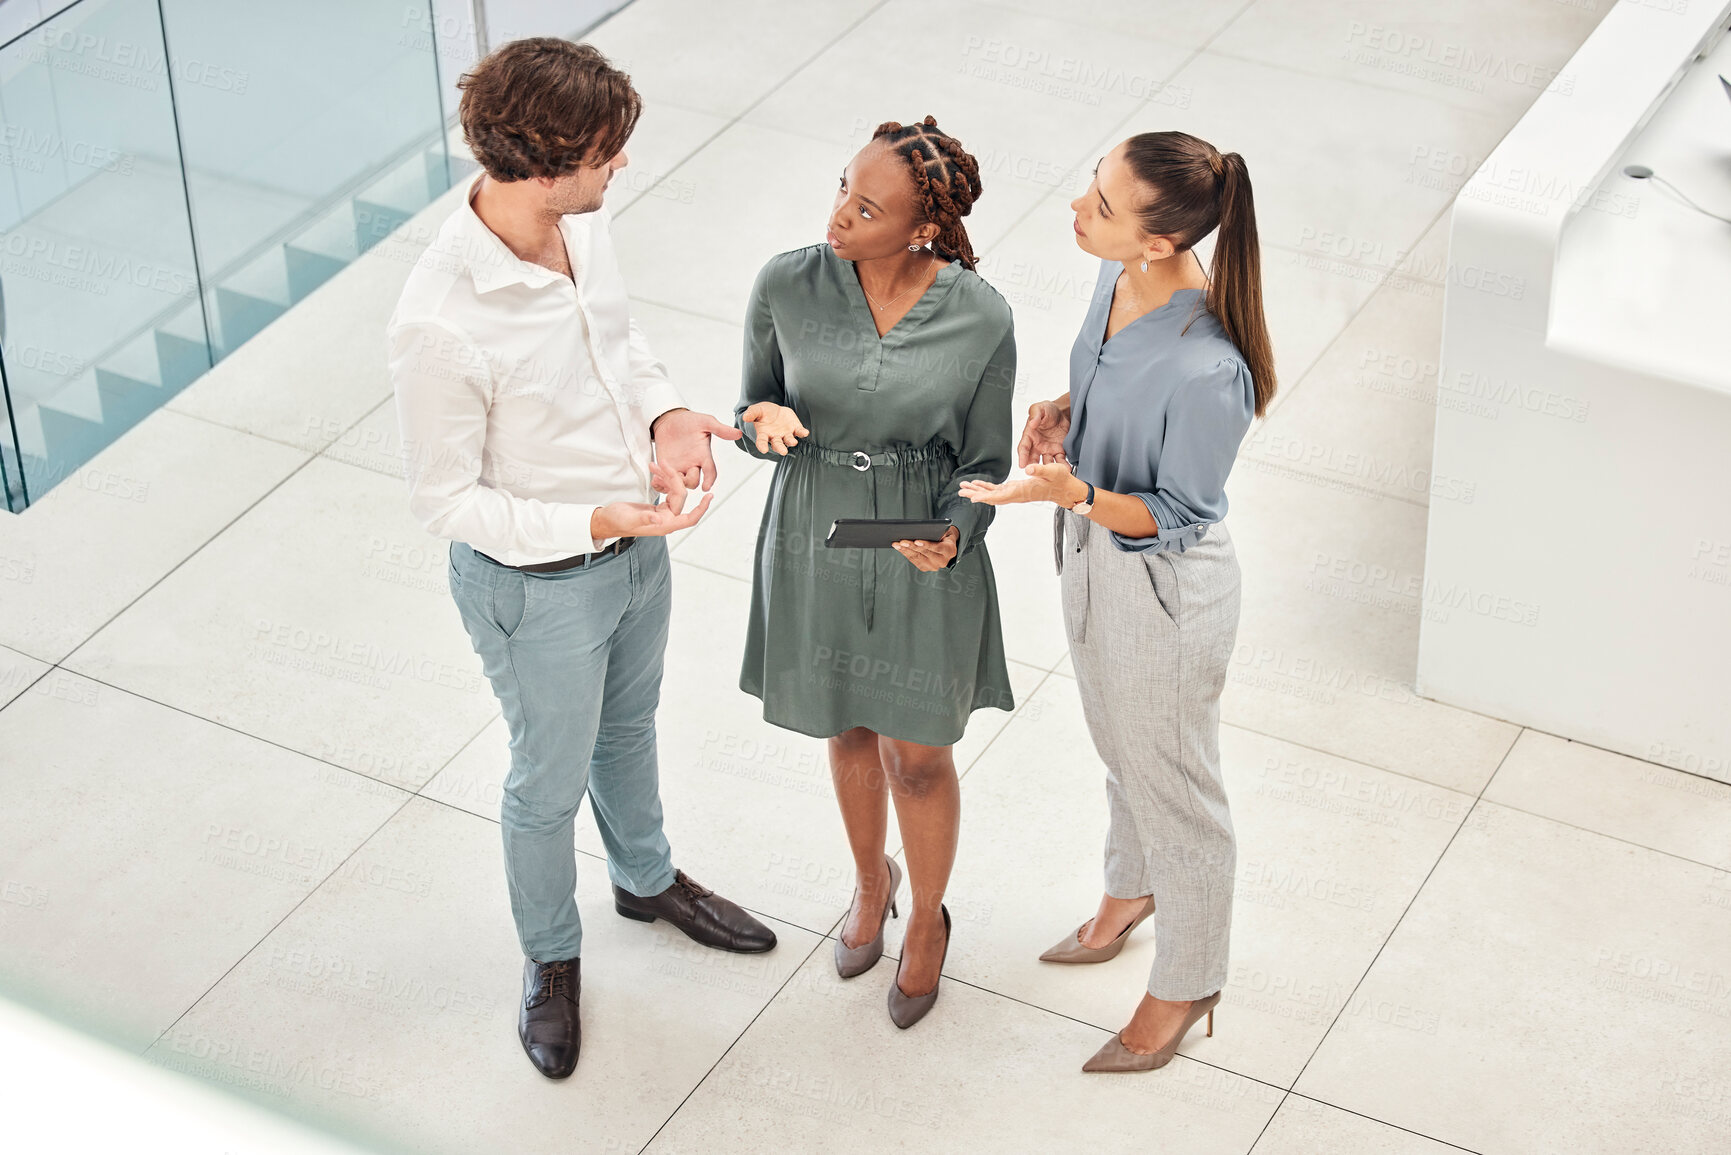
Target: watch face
x=1082, y=507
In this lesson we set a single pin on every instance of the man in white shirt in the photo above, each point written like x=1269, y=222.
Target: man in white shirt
x=537, y=430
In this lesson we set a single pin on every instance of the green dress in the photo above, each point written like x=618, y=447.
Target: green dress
x=842, y=638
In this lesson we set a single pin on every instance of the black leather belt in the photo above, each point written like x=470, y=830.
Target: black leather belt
x=617, y=547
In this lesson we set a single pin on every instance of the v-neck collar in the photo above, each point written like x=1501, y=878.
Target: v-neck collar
x=917, y=312
x=1100, y=338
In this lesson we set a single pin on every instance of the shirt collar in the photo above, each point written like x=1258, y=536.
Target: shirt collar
x=491, y=264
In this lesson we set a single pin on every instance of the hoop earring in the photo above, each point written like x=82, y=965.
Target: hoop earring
x=913, y=248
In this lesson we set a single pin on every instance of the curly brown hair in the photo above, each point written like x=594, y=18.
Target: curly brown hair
x=543, y=106
x=946, y=182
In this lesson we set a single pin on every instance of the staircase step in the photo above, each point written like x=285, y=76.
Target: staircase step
x=241, y=316
x=308, y=269
x=332, y=235
x=126, y=400
x=180, y=361
x=264, y=277
x=70, y=441
x=374, y=222
x=138, y=359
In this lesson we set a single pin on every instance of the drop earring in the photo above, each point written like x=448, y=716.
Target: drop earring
x=1144, y=266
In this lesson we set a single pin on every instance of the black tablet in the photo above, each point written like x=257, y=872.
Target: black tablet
x=878, y=533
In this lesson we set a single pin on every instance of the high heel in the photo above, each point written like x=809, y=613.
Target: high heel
x=856, y=960
x=1115, y=1056
x=906, y=1010
x=1071, y=949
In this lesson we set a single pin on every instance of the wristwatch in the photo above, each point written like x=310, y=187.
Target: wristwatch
x=1086, y=505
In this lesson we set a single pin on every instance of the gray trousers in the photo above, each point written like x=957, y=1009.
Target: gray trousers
x=1151, y=636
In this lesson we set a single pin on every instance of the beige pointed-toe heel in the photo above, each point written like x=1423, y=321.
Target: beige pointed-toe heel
x=1115, y=1056
x=857, y=960
x=1071, y=949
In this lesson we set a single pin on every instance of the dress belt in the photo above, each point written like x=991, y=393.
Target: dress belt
x=562, y=564
x=867, y=463
x=861, y=460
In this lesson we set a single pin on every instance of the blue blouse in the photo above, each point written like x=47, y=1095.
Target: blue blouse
x=1158, y=412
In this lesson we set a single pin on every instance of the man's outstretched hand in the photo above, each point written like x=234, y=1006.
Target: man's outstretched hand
x=640, y=519
x=681, y=439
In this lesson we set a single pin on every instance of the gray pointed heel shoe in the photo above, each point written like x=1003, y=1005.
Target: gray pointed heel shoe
x=857, y=960
x=1115, y=1056
x=1071, y=949
x=906, y=1010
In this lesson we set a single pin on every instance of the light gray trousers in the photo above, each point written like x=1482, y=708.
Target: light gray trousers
x=1151, y=636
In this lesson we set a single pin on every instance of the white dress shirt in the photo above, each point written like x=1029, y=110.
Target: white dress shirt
x=524, y=396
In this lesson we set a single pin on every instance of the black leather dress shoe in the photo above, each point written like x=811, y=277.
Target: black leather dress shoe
x=702, y=914
x=547, y=1023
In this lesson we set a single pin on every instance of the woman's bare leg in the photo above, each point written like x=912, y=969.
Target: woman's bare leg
x=860, y=790
x=928, y=800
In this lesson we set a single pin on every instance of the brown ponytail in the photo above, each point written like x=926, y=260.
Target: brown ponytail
x=1195, y=190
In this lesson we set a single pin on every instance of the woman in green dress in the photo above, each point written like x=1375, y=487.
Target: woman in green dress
x=878, y=376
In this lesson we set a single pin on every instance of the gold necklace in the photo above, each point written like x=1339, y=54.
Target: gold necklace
x=899, y=295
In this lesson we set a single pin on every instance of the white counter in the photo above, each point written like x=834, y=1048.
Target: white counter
x=1585, y=393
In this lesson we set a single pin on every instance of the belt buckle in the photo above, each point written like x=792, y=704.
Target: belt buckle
x=862, y=460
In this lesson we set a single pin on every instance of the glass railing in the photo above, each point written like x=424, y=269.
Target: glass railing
x=176, y=174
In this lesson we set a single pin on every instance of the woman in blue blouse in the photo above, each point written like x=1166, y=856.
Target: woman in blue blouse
x=1170, y=367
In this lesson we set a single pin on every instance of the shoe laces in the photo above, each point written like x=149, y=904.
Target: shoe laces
x=555, y=978
x=690, y=885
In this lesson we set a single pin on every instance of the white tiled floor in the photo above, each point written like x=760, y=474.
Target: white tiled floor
x=237, y=844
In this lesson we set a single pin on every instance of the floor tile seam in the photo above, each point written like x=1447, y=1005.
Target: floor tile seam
x=740, y=116
x=1631, y=757
x=419, y=791
x=601, y=860
x=677, y=560
x=1072, y=23
x=1106, y=138
x=263, y=740
x=1350, y=488
x=1363, y=763
x=698, y=495
x=274, y=927
x=951, y=978
x=48, y=668
x=1629, y=842
x=1394, y=929
x=168, y=406
x=960, y=982
x=735, y=322
x=721, y=1058
x=1373, y=84
x=688, y=311
x=1390, y=271
x=1285, y=395
x=1300, y=1095
x=202, y=546
x=1007, y=723
x=1272, y=736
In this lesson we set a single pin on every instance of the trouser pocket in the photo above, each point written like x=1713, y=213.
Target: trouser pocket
x=1163, y=580
x=507, y=602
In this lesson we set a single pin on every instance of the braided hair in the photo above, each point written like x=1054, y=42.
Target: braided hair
x=946, y=182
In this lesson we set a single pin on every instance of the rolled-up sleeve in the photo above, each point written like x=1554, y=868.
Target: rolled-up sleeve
x=761, y=375
x=986, y=447
x=443, y=390
x=1205, y=423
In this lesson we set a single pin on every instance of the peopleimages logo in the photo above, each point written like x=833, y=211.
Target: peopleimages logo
x=102, y=267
